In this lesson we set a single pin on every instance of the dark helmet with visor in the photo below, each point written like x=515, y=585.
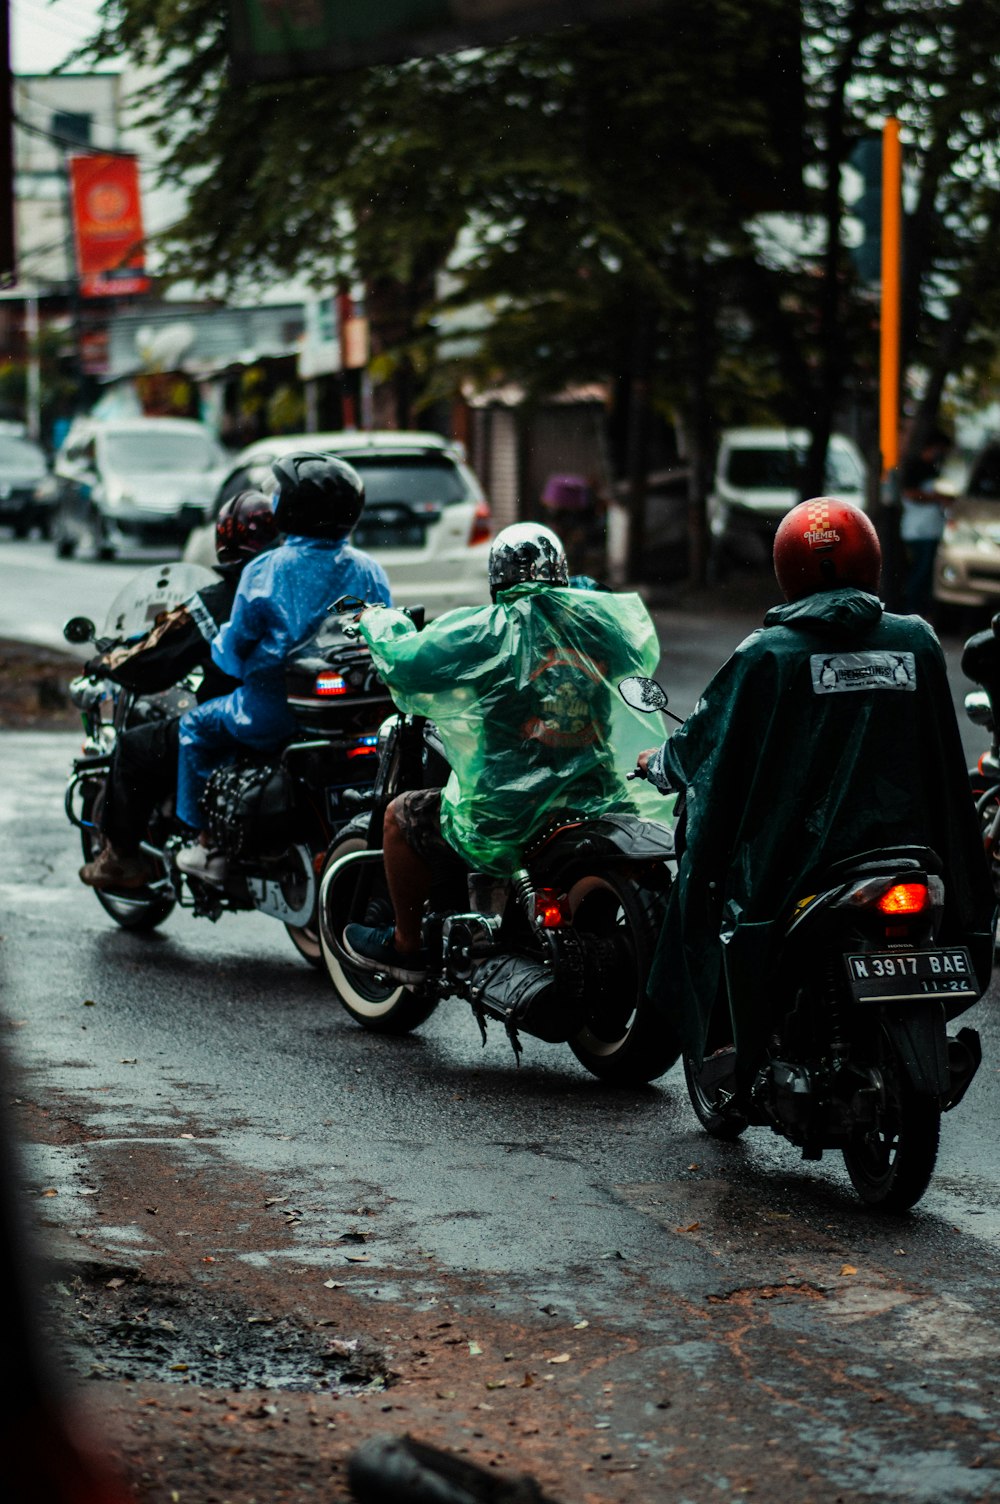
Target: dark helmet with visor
x=244, y=528
x=318, y=496
x=526, y=552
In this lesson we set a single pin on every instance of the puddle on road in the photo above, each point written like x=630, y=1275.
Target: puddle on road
x=121, y=1327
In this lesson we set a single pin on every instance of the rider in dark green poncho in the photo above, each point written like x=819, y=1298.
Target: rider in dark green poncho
x=829, y=732
x=523, y=694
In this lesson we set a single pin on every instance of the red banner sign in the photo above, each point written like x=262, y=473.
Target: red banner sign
x=107, y=225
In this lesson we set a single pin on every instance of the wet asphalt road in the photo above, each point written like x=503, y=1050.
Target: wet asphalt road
x=808, y=1348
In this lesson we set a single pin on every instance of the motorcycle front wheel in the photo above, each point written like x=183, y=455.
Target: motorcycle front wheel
x=624, y=1040
x=891, y=1164
x=381, y=1006
x=137, y=909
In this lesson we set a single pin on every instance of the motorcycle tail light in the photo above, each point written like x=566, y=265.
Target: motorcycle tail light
x=550, y=909
x=482, y=525
x=330, y=684
x=904, y=898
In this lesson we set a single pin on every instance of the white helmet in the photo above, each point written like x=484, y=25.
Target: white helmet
x=524, y=552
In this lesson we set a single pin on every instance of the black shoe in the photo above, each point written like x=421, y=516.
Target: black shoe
x=375, y=950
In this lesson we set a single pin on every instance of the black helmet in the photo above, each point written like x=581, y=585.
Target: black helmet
x=318, y=496
x=244, y=528
x=526, y=551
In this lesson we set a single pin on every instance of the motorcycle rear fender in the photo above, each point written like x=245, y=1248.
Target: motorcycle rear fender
x=616, y=838
x=347, y=868
x=921, y=1043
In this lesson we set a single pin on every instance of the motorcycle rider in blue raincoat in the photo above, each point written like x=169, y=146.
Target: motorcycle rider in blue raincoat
x=282, y=599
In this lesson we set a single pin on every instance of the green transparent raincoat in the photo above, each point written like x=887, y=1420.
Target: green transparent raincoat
x=524, y=694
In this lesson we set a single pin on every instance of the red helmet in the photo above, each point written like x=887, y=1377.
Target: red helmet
x=244, y=528
x=825, y=544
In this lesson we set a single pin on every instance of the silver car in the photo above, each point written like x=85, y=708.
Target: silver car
x=426, y=519
x=133, y=485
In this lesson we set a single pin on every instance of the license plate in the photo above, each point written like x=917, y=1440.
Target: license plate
x=389, y=529
x=907, y=976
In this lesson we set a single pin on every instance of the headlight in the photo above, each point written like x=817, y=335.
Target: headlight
x=85, y=694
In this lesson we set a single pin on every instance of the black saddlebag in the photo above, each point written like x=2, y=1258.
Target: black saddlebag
x=248, y=809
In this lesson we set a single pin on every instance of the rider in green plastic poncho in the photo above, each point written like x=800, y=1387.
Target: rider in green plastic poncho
x=829, y=732
x=523, y=694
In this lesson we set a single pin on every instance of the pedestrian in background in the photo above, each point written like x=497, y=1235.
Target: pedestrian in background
x=922, y=523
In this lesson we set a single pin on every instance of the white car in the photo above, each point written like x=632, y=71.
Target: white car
x=131, y=484
x=426, y=519
x=757, y=476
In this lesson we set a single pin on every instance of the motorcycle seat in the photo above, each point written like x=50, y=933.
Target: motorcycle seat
x=896, y=859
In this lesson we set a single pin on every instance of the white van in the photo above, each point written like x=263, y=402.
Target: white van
x=757, y=480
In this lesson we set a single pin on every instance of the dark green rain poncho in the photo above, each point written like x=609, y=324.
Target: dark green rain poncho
x=524, y=694
x=829, y=732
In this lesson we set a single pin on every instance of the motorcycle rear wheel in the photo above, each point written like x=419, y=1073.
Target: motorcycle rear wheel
x=624, y=1039
x=306, y=940
x=724, y=1122
x=138, y=909
x=891, y=1164
x=382, y=1007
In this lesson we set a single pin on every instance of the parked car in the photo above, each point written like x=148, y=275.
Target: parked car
x=757, y=480
x=967, y=565
x=425, y=517
x=25, y=499
x=132, y=484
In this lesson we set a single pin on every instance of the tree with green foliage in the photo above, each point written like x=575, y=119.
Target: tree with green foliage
x=594, y=192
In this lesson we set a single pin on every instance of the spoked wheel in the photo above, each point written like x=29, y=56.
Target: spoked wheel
x=380, y=1004
x=711, y=1091
x=891, y=1164
x=623, y=1040
x=133, y=908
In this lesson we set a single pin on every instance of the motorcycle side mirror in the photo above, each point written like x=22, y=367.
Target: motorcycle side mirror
x=643, y=694
x=979, y=709
x=417, y=615
x=79, y=629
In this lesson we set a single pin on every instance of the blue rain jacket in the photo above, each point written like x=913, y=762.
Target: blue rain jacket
x=284, y=594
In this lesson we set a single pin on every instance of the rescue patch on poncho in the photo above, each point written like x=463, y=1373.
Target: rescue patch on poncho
x=840, y=673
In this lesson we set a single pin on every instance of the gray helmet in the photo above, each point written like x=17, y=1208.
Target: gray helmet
x=525, y=552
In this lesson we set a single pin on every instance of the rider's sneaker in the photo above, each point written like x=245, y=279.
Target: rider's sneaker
x=202, y=862
x=111, y=869
x=375, y=950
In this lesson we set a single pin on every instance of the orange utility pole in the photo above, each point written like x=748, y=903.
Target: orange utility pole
x=889, y=383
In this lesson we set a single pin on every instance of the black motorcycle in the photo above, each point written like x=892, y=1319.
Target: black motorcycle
x=858, y=1057
x=274, y=816
x=981, y=664
x=560, y=951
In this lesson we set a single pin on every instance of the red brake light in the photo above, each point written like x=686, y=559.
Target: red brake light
x=904, y=898
x=482, y=525
x=330, y=684
x=549, y=909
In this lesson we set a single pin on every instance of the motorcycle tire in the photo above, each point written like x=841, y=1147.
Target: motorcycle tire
x=138, y=909
x=306, y=940
x=382, y=1007
x=724, y=1121
x=624, y=1040
x=891, y=1164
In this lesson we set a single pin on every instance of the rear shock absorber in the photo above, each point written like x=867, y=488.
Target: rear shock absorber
x=834, y=1011
x=524, y=892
